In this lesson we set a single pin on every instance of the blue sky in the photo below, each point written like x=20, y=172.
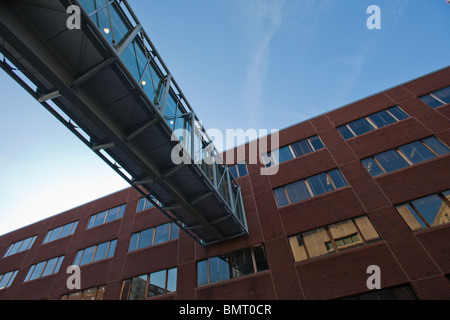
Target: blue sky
x=242, y=64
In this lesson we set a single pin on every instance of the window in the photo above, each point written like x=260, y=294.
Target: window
x=153, y=236
x=106, y=216
x=144, y=204
x=88, y=294
x=20, y=246
x=427, y=211
x=44, y=269
x=7, y=279
x=372, y=122
x=404, y=156
x=397, y=293
x=61, y=232
x=437, y=98
x=150, y=285
x=238, y=170
x=292, y=151
x=95, y=253
x=232, y=265
x=310, y=187
x=333, y=238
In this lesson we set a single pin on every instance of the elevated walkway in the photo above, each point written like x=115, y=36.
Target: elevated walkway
x=107, y=84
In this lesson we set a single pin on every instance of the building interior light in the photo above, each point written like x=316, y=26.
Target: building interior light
x=106, y=30
x=143, y=82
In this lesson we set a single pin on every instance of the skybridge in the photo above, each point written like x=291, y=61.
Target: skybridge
x=106, y=82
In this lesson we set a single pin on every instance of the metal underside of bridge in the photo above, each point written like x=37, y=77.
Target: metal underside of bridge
x=108, y=85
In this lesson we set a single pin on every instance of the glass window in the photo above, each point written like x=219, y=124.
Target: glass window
x=303, y=147
x=431, y=101
x=146, y=238
x=437, y=146
x=112, y=214
x=175, y=231
x=432, y=209
x=50, y=267
x=101, y=252
x=373, y=168
x=297, y=191
x=417, y=152
x=7, y=279
x=317, y=242
x=361, y=126
x=391, y=160
x=285, y=154
x=157, y=284
x=66, y=230
x=233, y=171
x=112, y=249
x=316, y=143
x=134, y=242
x=320, y=184
x=88, y=255
x=137, y=290
x=260, y=258
x=218, y=269
x=162, y=233
x=38, y=270
x=172, y=280
x=345, y=132
x=337, y=178
x=202, y=272
x=382, y=119
x=410, y=216
x=281, y=197
x=242, y=169
x=443, y=94
x=55, y=234
x=241, y=263
x=99, y=219
x=398, y=113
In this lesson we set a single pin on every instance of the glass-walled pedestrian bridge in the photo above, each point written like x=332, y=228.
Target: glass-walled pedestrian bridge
x=96, y=70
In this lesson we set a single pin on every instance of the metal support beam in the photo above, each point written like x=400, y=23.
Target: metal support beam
x=140, y=130
x=93, y=72
x=166, y=93
x=103, y=146
x=129, y=39
x=50, y=96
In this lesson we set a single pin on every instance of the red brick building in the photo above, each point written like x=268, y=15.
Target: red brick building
x=364, y=185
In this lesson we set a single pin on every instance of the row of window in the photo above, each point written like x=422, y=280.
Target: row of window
x=310, y=187
x=106, y=216
x=152, y=236
x=372, y=122
x=61, y=232
x=44, y=268
x=427, y=211
x=20, y=246
x=295, y=150
x=149, y=285
x=232, y=265
x=95, y=253
x=7, y=279
x=89, y=294
x=333, y=238
x=438, y=98
x=404, y=156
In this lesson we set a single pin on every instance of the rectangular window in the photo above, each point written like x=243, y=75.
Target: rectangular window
x=88, y=294
x=310, y=187
x=61, y=232
x=292, y=151
x=44, y=269
x=407, y=155
x=150, y=285
x=20, y=246
x=106, y=216
x=153, y=236
x=238, y=170
x=95, y=253
x=7, y=279
x=333, y=238
x=437, y=98
x=144, y=204
x=232, y=265
x=426, y=212
x=372, y=122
